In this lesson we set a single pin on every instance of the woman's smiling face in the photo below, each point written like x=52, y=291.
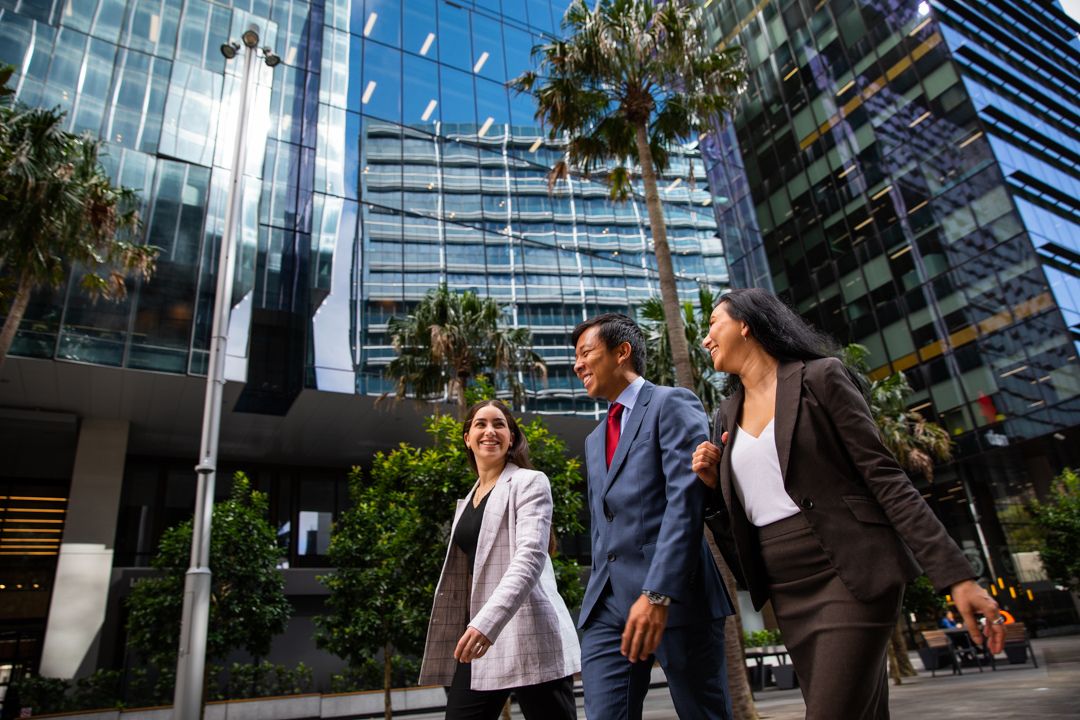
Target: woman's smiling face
x=488, y=436
x=725, y=341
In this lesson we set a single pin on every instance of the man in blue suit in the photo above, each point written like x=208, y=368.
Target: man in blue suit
x=654, y=590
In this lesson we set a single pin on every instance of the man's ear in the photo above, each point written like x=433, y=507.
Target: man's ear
x=624, y=351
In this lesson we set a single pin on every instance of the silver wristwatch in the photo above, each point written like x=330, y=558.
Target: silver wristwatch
x=656, y=598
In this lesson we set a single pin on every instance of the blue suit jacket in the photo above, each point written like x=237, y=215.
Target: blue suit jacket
x=647, y=511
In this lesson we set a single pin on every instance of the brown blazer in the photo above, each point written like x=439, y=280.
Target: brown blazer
x=868, y=517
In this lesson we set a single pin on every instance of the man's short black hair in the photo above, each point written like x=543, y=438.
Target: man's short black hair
x=614, y=329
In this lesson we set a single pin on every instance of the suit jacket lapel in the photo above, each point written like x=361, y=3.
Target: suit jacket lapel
x=594, y=459
x=460, y=509
x=497, y=503
x=626, y=437
x=788, y=390
x=730, y=415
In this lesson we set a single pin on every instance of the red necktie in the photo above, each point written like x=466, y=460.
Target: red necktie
x=614, y=428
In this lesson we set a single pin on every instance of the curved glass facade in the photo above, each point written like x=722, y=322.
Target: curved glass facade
x=385, y=156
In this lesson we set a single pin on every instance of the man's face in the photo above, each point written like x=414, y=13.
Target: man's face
x=598, y=367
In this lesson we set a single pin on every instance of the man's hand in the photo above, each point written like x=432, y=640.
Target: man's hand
x=706, y=458
x=472, y=645
x=644, y=628
x=969, y=599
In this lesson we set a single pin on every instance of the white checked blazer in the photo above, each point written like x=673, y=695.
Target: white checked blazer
x=513, y=600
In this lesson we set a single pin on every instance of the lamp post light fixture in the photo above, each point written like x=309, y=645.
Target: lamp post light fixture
x=191, y=658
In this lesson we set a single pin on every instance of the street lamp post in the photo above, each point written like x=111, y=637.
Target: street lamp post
x=191, y=659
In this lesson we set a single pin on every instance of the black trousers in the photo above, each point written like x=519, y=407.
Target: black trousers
x=553, y=700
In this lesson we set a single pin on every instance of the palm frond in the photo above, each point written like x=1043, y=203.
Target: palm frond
x=451, y=338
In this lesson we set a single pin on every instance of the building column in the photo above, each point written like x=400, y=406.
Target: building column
x=84, y=567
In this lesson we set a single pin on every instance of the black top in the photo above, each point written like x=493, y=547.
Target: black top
x=467, y=533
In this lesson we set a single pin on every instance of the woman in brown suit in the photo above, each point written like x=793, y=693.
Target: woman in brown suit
x=816, y=514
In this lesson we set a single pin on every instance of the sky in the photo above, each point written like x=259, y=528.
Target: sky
x=1072, y=7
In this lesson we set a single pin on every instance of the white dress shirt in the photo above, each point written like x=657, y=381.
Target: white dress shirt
x=758, y=480
x=627, y=398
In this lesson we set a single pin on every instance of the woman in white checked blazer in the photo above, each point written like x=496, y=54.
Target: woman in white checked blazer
x=498, y=624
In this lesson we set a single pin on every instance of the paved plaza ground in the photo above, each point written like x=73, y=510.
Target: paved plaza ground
x=1012, y=691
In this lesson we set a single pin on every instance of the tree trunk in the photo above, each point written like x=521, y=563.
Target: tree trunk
x=669, y=294
x=900, y=648
x=742, y=697
x=894, y=667
x=388, y=708
x=15, y=314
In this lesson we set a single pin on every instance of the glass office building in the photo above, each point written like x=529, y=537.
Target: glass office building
x=384, y=155
x=914, y=169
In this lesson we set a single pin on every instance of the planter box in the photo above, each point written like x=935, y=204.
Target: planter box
x=348, y=705
x=1017, y=654
x=934, y=658
x=754, y=675
x=785, y=677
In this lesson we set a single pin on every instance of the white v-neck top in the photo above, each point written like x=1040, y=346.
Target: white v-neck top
x=758, y=480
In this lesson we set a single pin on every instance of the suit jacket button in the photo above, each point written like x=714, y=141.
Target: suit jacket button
x=808, y=503
x=611, y=557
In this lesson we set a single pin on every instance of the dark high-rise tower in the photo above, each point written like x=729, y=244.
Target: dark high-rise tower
x=915, y=171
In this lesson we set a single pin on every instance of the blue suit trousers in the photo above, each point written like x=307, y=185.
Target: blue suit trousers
x=691, y=655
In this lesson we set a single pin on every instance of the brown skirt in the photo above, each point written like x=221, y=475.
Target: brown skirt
x=837, y=644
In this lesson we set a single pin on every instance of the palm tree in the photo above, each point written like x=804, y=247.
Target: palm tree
x=658, y=366
x=629, y=80
x=58, y=209
x=449, y=338
x=917, y=444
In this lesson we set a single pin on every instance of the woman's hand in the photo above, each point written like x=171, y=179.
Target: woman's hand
x=706, y=458
x=970, y=598
x=472, y=645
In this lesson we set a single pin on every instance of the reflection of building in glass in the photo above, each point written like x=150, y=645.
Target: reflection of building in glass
x=394, y=159
x=385, y=156
x=914, y=170
x=477, y=212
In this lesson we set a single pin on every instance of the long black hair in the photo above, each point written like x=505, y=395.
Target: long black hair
x=781, y=331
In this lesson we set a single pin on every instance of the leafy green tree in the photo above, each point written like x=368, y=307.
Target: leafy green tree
x=449, y=338
x=1058, y=518
x=59, y=211
x=1022, y=533
x=388, y=547
x=628, y=80
x=6, y=71
x=922, y=599
x=247, y=598
x=658, y=367
x=380, y=594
